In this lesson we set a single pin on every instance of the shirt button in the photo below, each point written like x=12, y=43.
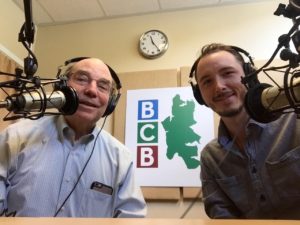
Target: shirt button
x=262, y=198
x=68, y=180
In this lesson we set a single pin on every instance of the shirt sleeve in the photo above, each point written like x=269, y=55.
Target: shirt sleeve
x=129, y=200
x=4, y=163
x=2, y=195
x=8, y=151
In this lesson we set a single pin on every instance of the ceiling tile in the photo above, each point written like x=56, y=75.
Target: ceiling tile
x=175, y=4
x=122, y=7
x=244, y=1
x=62, y=11
x=39, y=15
x=72, y=10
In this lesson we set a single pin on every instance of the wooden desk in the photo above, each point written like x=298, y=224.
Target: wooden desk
x=93, y=221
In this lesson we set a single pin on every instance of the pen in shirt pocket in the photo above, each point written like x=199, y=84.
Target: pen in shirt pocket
x=103, y=188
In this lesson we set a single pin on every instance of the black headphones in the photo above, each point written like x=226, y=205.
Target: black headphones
x=114, y=97
x=248, y=68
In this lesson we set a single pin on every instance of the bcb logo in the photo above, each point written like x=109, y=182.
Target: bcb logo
x=147, y=155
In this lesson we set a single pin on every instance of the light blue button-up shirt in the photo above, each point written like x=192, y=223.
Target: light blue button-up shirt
x=40, y=163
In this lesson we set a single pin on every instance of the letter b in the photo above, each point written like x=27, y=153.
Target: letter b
x=147, y=156
x=148, y=110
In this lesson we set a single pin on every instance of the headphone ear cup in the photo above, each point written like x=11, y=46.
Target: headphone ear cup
x=197, y=94
x=110, y=107
x=113, y=100
x=249, y=69
x=195, y=89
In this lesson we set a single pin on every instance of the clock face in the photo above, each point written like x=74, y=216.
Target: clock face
x=153, y=44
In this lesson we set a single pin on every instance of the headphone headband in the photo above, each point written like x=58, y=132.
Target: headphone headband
x=112, y=72
x=240, y=50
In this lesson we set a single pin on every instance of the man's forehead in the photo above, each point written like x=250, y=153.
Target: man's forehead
x=93, y=62
x=217, y=58
x=219, y=55
x=91, y=65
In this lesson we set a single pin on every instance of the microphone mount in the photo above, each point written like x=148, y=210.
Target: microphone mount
x=289, y=11
x=290, y=71
x=26, y=37
x=25, y=83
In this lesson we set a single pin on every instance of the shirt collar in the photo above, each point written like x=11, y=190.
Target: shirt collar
x=223, y=134
x=65, y=131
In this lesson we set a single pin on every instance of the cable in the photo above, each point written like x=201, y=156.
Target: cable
x=8, y=214
x=83, y=169
x=191, y=205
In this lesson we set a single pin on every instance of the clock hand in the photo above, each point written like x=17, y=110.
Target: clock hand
x=154, y=43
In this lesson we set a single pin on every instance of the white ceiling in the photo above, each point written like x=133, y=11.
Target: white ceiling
x=50, y=12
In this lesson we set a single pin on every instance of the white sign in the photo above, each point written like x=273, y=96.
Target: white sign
x=166, y=129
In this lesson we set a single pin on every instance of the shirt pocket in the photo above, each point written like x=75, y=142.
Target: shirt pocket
x=96, y=204
x=236, y=190
x=285, y=173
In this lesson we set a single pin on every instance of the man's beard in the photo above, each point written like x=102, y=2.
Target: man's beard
x=231, y=112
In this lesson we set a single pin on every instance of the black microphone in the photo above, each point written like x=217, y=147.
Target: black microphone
x=265, y=103
x=65, y=100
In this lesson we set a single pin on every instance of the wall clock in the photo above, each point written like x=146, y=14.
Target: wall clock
x=153, y=43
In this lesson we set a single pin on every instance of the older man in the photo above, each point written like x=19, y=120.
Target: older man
x=66, y=166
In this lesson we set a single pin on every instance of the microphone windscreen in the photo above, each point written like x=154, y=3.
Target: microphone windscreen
x=254, y=106
x=71, y=100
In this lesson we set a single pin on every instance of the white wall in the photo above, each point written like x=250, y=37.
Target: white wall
x=11, y=20
x=251, y=26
